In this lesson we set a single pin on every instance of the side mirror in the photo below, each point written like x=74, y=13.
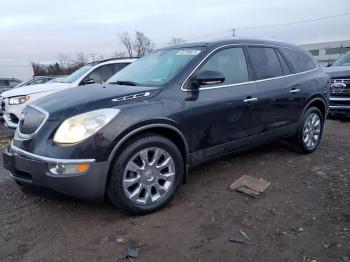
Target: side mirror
x=329, y=65
x=87, y=81
x=208, y=78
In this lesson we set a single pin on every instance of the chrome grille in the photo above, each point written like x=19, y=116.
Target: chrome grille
x=32, y=119
x=340, y=87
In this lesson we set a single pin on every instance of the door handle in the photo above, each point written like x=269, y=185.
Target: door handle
x=294, y=90
x=250, y=99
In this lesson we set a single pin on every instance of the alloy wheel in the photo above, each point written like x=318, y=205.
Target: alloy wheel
x=312, y=131
x=148, y=176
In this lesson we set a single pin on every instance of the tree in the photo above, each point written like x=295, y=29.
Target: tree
x=176, y=41
x=64, y=60
x=142, y=44
x=80, y=59
x=127, y=42
x=138, y=46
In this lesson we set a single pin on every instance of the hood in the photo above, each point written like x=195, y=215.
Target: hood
x=33, y=89
x=338, y=71
x=86, y=98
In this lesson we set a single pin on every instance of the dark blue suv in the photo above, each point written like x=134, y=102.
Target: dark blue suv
x=134, y=138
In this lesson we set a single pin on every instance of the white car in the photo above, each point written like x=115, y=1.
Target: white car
x=15, y=100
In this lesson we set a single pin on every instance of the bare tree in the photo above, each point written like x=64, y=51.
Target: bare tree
x=64, y=60
x=176, y=41
x=138, y=46
x=80, y=59
x=142, y=44
x=127, y=42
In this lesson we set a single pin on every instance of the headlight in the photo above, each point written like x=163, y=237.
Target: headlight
x=17, y=100
x=80, y=127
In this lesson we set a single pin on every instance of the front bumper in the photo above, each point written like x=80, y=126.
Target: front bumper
x=339, y=104
x=32, y=169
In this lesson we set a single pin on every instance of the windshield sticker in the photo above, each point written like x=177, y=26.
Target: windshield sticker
x=188, y=52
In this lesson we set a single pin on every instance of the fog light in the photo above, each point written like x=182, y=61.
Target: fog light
x=68, y=169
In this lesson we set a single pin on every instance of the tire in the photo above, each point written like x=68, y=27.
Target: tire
x=145, y=175
x=309, y=129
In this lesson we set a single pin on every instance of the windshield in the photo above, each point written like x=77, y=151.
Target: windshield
x=156, y=68
x=77, y=74
x=344, y=60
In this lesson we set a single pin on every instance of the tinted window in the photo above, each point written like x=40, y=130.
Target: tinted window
x=77, y=74
x=4, y=83
x=265, y=62
x=285, y=67
x=12, y=83
x=343, y=60
x=117, y=67
x=101, y=74
x=231, y=63
x=302, y=61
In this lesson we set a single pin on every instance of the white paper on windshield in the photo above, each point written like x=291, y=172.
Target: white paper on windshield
x=188, y=52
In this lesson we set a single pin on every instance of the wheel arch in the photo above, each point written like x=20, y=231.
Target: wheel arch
x=167, y=130
x=318, y=102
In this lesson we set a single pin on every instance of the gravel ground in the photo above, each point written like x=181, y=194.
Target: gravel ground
x=304, y=215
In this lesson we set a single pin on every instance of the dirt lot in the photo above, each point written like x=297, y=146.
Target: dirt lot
x=304, y=216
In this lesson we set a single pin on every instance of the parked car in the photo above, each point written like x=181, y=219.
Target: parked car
x=18, y=69
x=6, y=84
x=37, y=80
x=339, y=72
x=15, y=100
x=134, y=138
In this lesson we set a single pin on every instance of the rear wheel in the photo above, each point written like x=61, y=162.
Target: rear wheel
x=146, y=175
x=310, y=131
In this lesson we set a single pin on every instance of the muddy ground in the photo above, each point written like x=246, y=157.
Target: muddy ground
x=304, y=215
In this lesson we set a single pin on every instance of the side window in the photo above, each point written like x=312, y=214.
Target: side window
x=302, y=61
x=37, y=81
x=117, y=67
x=4, y=83
x=265, y=62
x=285, y=66
x=101, y=74
x=12, y=83
x=231, y=63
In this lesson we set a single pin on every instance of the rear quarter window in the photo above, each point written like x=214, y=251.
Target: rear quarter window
x=265, y=62
x=301, y=61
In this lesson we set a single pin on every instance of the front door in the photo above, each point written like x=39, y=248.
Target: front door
x=220, y=113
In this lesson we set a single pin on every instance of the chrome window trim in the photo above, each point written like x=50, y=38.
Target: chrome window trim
x=248, y=82
x=26, y=137
x=48, y=159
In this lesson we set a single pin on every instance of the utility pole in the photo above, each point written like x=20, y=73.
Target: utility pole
x=233, y=33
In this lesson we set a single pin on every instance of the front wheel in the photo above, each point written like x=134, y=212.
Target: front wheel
x=146, y=174
x=310, y=131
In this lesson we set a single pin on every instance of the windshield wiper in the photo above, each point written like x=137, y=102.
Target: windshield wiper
x=125, y=83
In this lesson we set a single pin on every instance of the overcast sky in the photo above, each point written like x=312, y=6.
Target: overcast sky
x=38, y=30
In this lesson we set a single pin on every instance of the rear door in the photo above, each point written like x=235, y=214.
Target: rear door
x=276, y=106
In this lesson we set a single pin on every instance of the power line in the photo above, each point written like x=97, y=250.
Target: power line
x=293, y=23
x=270, y=26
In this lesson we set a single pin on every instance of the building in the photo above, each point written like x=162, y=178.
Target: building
x=326, y=53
